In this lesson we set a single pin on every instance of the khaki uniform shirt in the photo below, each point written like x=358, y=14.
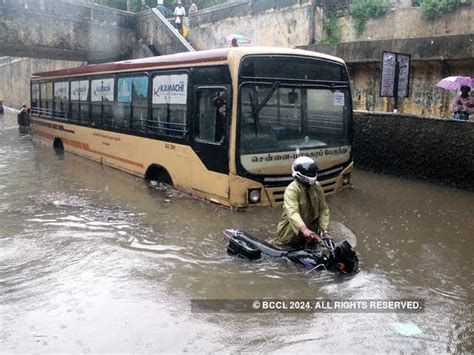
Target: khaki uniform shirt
x=302, y=205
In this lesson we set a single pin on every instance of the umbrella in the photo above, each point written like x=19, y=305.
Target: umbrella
x=241, y=39
x=453, y=83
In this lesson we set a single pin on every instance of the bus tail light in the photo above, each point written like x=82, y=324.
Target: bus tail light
x=254, y=195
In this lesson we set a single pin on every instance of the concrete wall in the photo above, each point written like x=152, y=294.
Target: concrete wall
x=409, y=23
x=292, y=23
x=15, y=74
x=423, y=148
x=65, y=30
x=424, y=99
x=439, y=48
x=277, y=23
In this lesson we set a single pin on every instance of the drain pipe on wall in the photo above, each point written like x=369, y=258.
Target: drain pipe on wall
x=312, y=27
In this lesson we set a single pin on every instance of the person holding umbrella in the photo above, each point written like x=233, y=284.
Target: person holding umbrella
x=463, y=105
x=235, y=40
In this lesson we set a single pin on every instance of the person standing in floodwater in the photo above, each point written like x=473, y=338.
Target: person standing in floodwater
x=234, y=43
x=305, y=215
x=24, y=117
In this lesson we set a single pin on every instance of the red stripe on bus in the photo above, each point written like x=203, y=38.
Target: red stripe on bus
x=75, y=144
x=44, y=134
x=85, y=146
x=53, y=126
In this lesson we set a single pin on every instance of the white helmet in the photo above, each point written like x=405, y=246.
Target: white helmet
x=305, y=170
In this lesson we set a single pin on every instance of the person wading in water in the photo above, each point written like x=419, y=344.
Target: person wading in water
x=305, y=216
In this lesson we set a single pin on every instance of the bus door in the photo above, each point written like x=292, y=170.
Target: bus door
x=211, y=140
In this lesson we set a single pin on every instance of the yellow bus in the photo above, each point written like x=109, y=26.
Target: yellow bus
x=224, y=125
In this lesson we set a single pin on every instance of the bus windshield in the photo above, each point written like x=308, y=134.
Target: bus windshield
x=290, y=119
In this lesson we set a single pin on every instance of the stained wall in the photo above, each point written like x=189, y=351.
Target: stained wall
x=15, y=74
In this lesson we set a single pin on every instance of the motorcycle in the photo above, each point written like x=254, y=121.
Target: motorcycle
x=340, y=259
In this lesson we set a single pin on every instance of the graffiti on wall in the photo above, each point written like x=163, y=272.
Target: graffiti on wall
x=424, y=98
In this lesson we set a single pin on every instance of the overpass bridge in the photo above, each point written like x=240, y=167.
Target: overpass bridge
x=81, y=31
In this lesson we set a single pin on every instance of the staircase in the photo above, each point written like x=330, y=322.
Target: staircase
x=159, y=35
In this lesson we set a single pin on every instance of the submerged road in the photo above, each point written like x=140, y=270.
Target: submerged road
x=95, y=260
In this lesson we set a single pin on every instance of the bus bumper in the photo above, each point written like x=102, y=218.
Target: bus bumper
x=240, y=194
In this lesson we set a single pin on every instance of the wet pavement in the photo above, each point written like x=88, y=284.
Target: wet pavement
x=95, y=260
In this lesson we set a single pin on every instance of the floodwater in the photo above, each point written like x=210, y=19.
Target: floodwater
x=94, y=260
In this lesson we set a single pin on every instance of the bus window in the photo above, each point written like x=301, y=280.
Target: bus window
x=57, y=99
x=324, y=114
x=35, y=103
x=139, y=103
x=43, y=95
x=75, y=101
x=49, y=98
x=85, y=100
x=107, y=113
x=211, y=115
x=46, y=98
x=169, y=108
x=102, y=98
x=132, y=103
x=96, y=113
x=43, y=101
x=123, y=108
x=292, y=117
x=79, y=100
x=65, y=100
x=61, y=99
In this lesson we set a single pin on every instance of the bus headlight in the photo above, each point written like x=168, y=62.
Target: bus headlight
x=254, y=195
x=346, y=179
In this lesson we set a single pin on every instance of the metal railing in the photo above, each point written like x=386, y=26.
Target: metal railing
x=142, y=125
x=159, y=126
x=41, y=111
x=177, y=35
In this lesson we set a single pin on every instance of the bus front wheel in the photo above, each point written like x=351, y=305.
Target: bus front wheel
x=158, y=173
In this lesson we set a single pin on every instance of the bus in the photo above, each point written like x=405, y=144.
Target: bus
x=224, y=125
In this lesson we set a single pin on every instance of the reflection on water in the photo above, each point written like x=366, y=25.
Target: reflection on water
x=95, y=260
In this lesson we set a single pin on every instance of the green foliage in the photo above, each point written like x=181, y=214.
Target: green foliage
x=331, y=28
x=362, y=10
x=434, y=9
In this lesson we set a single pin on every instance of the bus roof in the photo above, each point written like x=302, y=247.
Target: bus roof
x=178, y=59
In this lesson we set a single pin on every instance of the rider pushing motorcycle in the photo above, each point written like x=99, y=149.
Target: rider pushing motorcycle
x=305, y=216
x=303, y=223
